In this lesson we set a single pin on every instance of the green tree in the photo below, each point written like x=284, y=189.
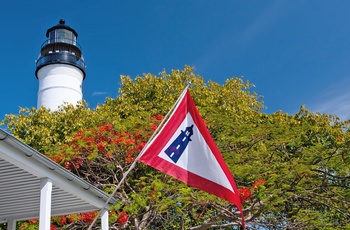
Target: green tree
x=292, y=170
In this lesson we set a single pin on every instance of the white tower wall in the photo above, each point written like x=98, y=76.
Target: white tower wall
x=59, y=83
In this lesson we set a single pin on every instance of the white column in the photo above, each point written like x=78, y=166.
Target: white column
x=11, y=225
x=45, y=204
x=104, y=219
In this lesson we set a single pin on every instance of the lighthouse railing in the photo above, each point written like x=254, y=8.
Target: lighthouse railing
x=61, y=57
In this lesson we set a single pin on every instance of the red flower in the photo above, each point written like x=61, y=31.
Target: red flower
x=257, y=184
x=129, y=158
x=33, y=221
x=153, y=127
x=108, y=155
x=108, y=127
x=140, y=146
x=122, y=218
x=88, y=217
x=59, y=158
x=78, y=135
x=53, y=227
x=62, y=220
x=130, y=141
x=101, y=146
x=159, y=117
x=73, y=218
x=244, y=194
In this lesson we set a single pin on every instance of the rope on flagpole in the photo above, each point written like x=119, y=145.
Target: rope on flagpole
x=138, y=157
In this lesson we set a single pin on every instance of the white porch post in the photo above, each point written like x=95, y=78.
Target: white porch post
x=11, y=225
x=104, y=219
x=45, y=204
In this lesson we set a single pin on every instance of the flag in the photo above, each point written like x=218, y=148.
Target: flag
x=185, y=150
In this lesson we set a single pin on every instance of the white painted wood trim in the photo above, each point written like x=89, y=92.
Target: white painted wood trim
x=11, y=225
x=104, y=220
x=45, y=204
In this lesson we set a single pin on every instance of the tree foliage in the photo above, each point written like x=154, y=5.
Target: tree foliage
x=292, y=171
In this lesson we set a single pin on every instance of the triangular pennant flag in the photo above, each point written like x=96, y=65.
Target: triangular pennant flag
x=184, y=149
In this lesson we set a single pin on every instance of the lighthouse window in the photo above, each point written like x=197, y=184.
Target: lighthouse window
x=52, y=37
x=65, y=36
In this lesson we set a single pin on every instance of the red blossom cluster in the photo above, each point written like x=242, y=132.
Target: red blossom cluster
x=104, y=141
x=257, y=184
x=158, y=117
x=122, y=218
x=153, y=127
x=73, y=218
x=245, y=193
x=155, y=119
x=34, y=222
x=88, y=217
x=61, y=220
x=26, y=225
x=23, y=226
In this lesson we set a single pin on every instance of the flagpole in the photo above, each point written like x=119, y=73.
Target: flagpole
x=138, y=157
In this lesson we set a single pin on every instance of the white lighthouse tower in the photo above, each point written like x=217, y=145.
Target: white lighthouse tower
x=60, y=68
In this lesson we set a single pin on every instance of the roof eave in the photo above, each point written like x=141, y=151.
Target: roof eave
x=30, y=152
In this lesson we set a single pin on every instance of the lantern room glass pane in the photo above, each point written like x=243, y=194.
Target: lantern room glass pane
x=62, y=35
x=65, y=36
x=52, y=37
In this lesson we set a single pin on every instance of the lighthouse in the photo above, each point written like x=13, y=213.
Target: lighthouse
x=175, y=150
x=60, y=68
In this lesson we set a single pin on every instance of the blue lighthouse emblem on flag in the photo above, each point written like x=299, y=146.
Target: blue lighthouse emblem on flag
x=175, y=150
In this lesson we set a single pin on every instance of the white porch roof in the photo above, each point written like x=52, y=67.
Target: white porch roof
x=21, y=171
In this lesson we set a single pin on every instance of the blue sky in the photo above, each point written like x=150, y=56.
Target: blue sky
x=294, y=52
